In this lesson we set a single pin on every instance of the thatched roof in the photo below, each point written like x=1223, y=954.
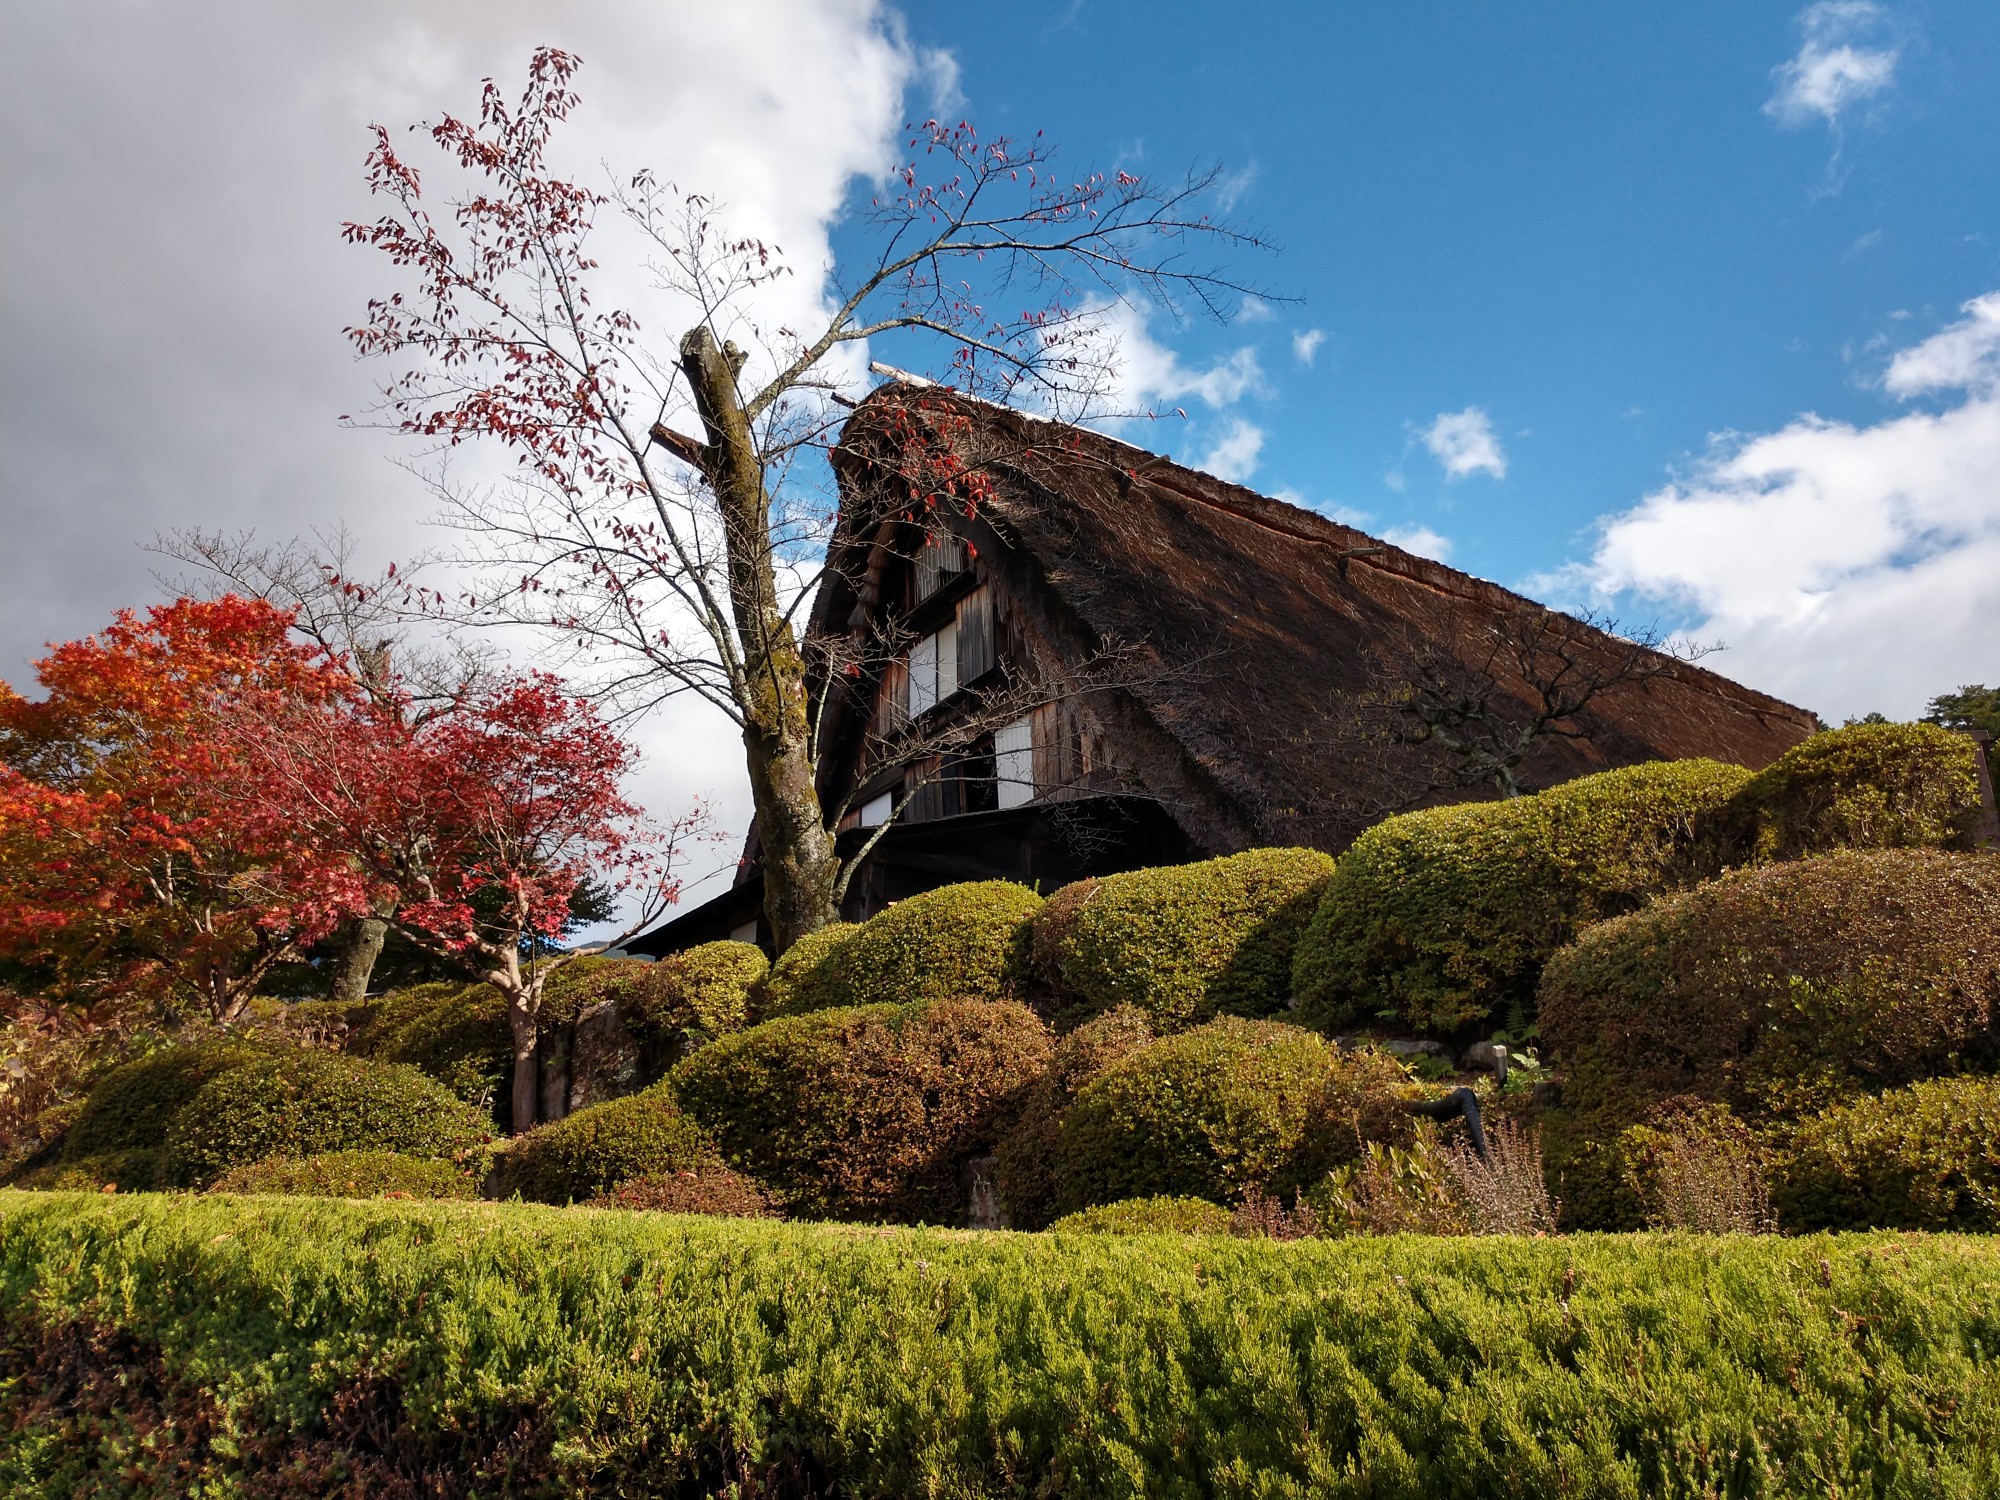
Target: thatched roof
x=1264, y=629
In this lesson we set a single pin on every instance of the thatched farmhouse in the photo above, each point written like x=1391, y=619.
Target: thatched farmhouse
x=1046, y=654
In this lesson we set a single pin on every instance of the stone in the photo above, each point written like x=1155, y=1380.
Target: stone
x=604, y=1060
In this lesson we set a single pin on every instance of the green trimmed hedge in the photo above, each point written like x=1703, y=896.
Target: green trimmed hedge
x=597, y=1149
x=802, y=979
x=1923, y=1157
x=461, y=1039
x=1868, y=786
x=1148, y=1216
x=958, y=942
x=301, y=1104
x=1440, y=918
x=351, y=1174
x=130, y=1107
x=1776, y=990
x=1212, y=1112
x=1024, y=1161
x=869, y=1111
x=1184, y=943
x=687, y=1000
x=697, y=1190
x=162, y=1347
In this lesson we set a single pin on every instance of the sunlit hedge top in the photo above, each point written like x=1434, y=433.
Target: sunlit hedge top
x=1437, y=918
x=958, y=942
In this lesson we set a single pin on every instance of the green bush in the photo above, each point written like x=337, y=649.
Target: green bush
x=689, y=999
x=1922, y=1157
x=1185, y=943
x=1024, y=1162
x=802, y=979
x=583, y=982
x=596, y=1149
x=1148, y=1216
x=867, y=1112
x=131, y=1106
x=301, y=1104
x=1868, y=786
x=958, y=942
x=1776, y=990
x=1439, y=918
x=133, y=1170
x=163, y=1346
x=1206, y=1114
x=461, y=1039
x=351, y=1174
x=714, y=1190
x=371, y=1024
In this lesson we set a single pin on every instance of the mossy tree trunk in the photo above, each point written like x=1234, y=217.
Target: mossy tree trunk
x=801, y=870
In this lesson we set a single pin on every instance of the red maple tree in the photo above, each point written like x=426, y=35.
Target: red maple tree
x=131, y=861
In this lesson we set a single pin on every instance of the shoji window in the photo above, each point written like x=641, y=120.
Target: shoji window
x=933, y=669
x=1014, y=762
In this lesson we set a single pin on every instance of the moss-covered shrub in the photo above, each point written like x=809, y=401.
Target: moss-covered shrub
x=131, y=1106
x=688, y=999
x=1148, y=1216
x=1440, y=918
x=1024, y=1162
x=1185, y=943
x=713, y=1190
x=1868, y=786
x=594, y=1150
x=301, y=1104
x=867, y=1112
x=1922, y=1157
x=1205, y=1114
x=958, y=942
x=351, y=1174
x=461, y=1039
x=802, y=979
x=1776, y=990
x=583, y=982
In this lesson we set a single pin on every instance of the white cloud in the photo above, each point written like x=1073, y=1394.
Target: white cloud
x=1145, y=373
x=1234, y=456
x=1965, y=356
x=1305, y=345
x=1465, y=443
x=1848, y=567
x=1845, y=59
x=1421, y=540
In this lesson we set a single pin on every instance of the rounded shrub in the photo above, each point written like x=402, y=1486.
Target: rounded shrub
x=1868, y=786
x=130, y=1107
x=1208, y=1114
x=714, y=1190
x=1185, y=943
x=1436, y=919
x=1024, y=1162
x=596, y=1149
x=958, y=942
x=583, y=982
x=1775, y=990
x=300, y=1104
x=1922, y=1157
x=461, y=1039
x=1148, y=1216
x=133, y=1170
x=802, y=979
x=688, y=999
x=351, y=1174
x=370, y=1024
x=867, y=1112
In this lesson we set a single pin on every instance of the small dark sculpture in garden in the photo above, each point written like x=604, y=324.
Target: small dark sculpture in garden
x=1460, y=1103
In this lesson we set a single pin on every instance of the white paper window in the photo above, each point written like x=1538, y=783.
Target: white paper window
x=933, y=669
x=875, y=812
x=747, y=933
x=1014, y=762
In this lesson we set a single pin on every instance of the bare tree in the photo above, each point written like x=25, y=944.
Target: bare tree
x=1484, y=691
x=674, y=563
x=362, y=620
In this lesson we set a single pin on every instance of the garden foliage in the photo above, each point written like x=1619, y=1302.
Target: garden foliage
x=158, y=1347
x=687, y=1000
x=1183, y=943
x=1148, y=1216
x=597, y=1149
x=867, y=1111
x=300, y=1104
x=958, y=942
x=352, y=1174
x=803, y=977
x=1025, y=1167
x=707, y=1189
x=1922, y=1157
x=1440, y=918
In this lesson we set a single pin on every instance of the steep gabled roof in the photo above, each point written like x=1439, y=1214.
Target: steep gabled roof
x=1262, y=624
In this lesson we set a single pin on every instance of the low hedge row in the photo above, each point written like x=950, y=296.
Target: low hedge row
x=155, y=1347
x=352, y=1174
x=600, y=1148
x=1148, y=1216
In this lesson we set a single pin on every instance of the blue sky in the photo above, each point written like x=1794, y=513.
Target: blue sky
x=1690, y=310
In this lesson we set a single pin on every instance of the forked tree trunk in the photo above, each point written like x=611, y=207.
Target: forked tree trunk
x=800, y=866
